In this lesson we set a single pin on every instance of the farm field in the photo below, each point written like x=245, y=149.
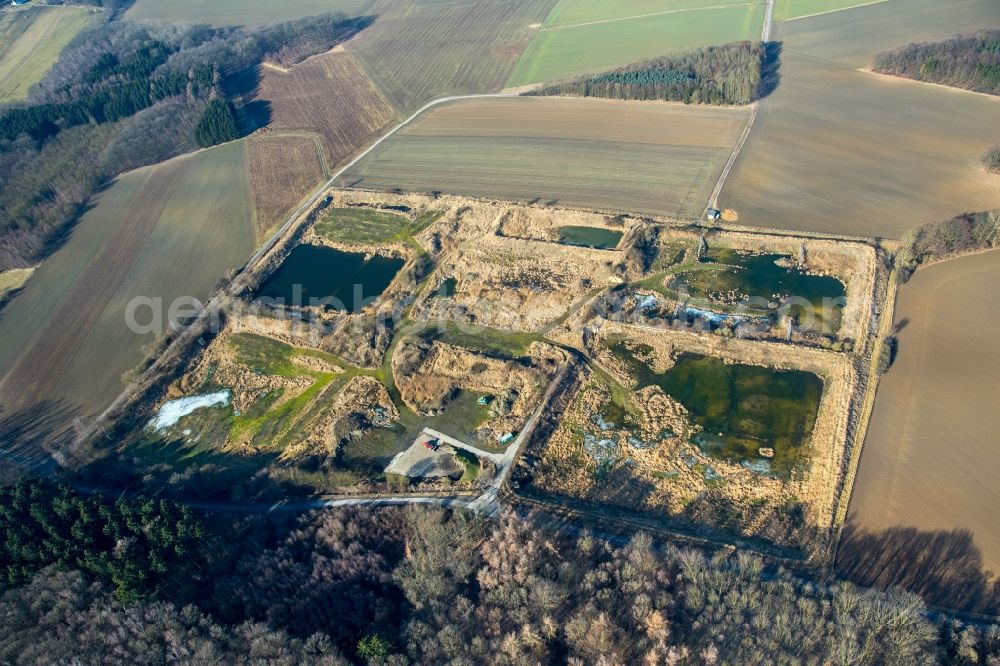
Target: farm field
x=237, y=12
x=853, y=38
x=906, y=153
x=283, y=170
x=30, y=42
x=928, y=462
x=419, y=51
x=319, y=114
x=785, y=10
x=327, y=97
x=655, y=158
x=163, y=232
x=572, y=12
x=563, y=51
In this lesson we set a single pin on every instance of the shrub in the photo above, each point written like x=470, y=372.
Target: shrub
x=991, y=159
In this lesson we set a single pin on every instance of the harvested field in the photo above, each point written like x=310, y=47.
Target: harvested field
x=417, y=51
x=604, y=154
x=162, y=232
x=925, y=509
x=600, y=38
x=31, y=39
x=283, y=171
x=905, y=153
x=852, y=38
x=330, y=98
x=240, y=12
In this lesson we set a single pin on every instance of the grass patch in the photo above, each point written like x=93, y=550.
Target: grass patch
x=30, y=43
x=508, y=344
x=471, y=464
x=366, y=226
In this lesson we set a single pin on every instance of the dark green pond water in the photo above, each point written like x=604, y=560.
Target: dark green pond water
x=595, y=237
x=325, y=277
x=816, y=299
x=447, y=287
x=741, y=407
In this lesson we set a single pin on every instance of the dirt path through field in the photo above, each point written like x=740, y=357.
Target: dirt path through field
x=38, y=371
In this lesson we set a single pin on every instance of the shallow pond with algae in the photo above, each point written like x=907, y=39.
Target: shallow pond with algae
x=730, y=278
x=593, y=237
x=744, y=410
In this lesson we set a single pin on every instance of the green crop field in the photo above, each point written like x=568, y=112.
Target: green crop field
x=573, y=12
x=420, y=50
x=240, y=12
x=602, y=154
x=160, y=233
x=562, y=51
x=30, y=42
x=792, y=9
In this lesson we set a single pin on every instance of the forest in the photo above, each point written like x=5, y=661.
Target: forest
x=962, y=234
x=731, y=74
x=396, y=585
x=971, y=62
x=125, y=95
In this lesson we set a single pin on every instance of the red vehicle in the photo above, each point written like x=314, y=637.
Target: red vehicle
x=432, y=444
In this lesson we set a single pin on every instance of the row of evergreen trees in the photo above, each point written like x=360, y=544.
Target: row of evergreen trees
x=966, y=61
x=727, y=74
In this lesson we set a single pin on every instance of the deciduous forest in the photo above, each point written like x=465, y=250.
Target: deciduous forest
x=966, y=61
x=425, y=585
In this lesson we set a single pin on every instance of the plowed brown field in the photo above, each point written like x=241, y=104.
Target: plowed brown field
x=283, y=170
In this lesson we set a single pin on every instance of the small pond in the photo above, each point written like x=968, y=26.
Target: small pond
x=330, y=278
x=762, y=277
x=741, y=408
x=593, y=237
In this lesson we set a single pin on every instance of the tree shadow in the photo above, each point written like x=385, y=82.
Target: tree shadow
x=945, y=568
x=770, y=76
x=182, y=470
x=34, y=439
x=243, y=88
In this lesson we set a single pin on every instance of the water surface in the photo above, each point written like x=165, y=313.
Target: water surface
x=330, y=278
x=742, y=408
x=593, y=237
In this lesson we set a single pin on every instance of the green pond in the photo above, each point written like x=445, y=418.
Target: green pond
x=446, y=289
x=594, y=237
x=817, y=299
x=741, y=408
x=330, y=278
